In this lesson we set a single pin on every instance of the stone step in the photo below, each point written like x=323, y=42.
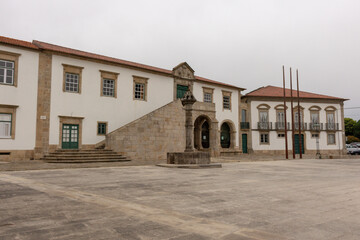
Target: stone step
x=83, y=157
x=95, y=160
x=79, y=154
x=82, y=150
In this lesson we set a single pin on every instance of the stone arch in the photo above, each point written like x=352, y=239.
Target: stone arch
x=330, y=108
x=314, y=108
x=280, y=107
x=203, y=132
x=264, y=106
x=227, y=126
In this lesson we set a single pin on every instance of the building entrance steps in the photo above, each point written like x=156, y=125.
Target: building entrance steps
x=84, y=156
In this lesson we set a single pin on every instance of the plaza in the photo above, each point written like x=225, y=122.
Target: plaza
x=295, y=199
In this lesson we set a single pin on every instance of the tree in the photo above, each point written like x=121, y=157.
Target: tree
x=351, y=139
x=349, y=126
x=357, y=129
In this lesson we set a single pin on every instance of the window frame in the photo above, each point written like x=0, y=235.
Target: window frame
x=11, y=57
x=9, y=109
x=328, y=142
x=268, y=138
x=106, y=75
x=97, y=128
x=226, y=94
x=209, y=91
x=76, y=70
x=142, y=81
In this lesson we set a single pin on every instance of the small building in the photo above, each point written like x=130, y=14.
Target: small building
x=262, y=122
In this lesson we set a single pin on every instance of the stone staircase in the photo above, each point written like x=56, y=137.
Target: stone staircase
x=84, y=156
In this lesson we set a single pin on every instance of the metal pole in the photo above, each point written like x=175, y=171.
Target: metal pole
x=286, y=140
x=292, y=117
x=298, y=97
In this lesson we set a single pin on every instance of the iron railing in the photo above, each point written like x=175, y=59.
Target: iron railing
x=332, y=126
x=264, y=125
x=315, y=126
x=244, y=125
x=281, y=126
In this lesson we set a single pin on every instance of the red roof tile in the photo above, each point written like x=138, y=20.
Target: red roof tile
x=16, y=42
x=60, y=49
x=271, y=91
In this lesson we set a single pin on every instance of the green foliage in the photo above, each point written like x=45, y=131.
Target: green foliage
x=351, y=139
x=349, y=126
x=357, y=129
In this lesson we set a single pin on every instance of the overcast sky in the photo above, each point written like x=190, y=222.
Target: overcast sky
x=244, y=43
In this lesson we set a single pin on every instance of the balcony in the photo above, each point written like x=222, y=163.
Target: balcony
x=331, y=126
x=244, y=125
x=315, y=126
x=303, y=126
x=281, y=126
x=264, y=125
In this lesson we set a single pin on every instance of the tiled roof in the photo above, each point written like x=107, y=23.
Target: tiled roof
x=17, y=42
x=60, y=49
x=271, y=91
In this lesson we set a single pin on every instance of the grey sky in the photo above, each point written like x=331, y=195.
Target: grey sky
x=244, y=43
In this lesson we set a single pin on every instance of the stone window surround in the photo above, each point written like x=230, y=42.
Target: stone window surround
x=10, y=109
x=226, y=94
x=210, y=91
x=268, y=138
x=111, y=76
x=97, y=127
x=314, y=109
x=70, y=120
x=295, y=110
x=140, y=80
x=330, y=110
x=184, y=82
x=331, y=133
x=14, y=57
x=263, y=108
x=74, y=70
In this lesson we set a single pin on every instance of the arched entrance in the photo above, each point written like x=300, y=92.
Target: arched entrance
x=202, y=133
x=225, y=139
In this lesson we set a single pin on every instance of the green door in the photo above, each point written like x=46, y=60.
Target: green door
x=70, y=136
x=297, y=145
x=244, y=143
x=181, y=90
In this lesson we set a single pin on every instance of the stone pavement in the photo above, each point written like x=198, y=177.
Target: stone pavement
x=301, y=199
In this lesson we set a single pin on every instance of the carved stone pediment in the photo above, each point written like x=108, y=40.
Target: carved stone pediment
x=183, y=70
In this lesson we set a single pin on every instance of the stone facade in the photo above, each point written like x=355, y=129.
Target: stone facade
x=151, y=136
x=43, y=105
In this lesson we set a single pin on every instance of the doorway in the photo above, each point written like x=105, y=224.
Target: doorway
x=70, y=136
x=297, y=145
x=225, y=135
x=244, y=143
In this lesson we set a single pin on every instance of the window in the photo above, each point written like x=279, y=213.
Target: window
x=102, y=128
x=7, y=121
x=7, y=72
x=140, y=88
x=5, y=125
x=72, y=78
x=181, y=90
x=331, y=138
x=140, y=91
x=208, y=94
x=243, y=115
x=108, y=87
x=72, y=82
x=281, y=135
x=8, y=68
x=314, y=135
x=264, y=138
x=108, y=83
x=226, y=100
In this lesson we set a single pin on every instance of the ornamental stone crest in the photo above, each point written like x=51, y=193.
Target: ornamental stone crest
x=183, y=70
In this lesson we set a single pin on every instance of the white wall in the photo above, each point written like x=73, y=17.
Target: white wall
x=93, y=107
x=277, y=143
x=221, y=115
x=25, y=96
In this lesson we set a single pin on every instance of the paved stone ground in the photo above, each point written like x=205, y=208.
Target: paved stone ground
x=302, y=199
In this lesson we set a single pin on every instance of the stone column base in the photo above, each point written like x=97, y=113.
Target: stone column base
x=188, y=158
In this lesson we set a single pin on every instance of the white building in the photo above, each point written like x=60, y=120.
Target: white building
x=52, y=97
x=263, y=122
